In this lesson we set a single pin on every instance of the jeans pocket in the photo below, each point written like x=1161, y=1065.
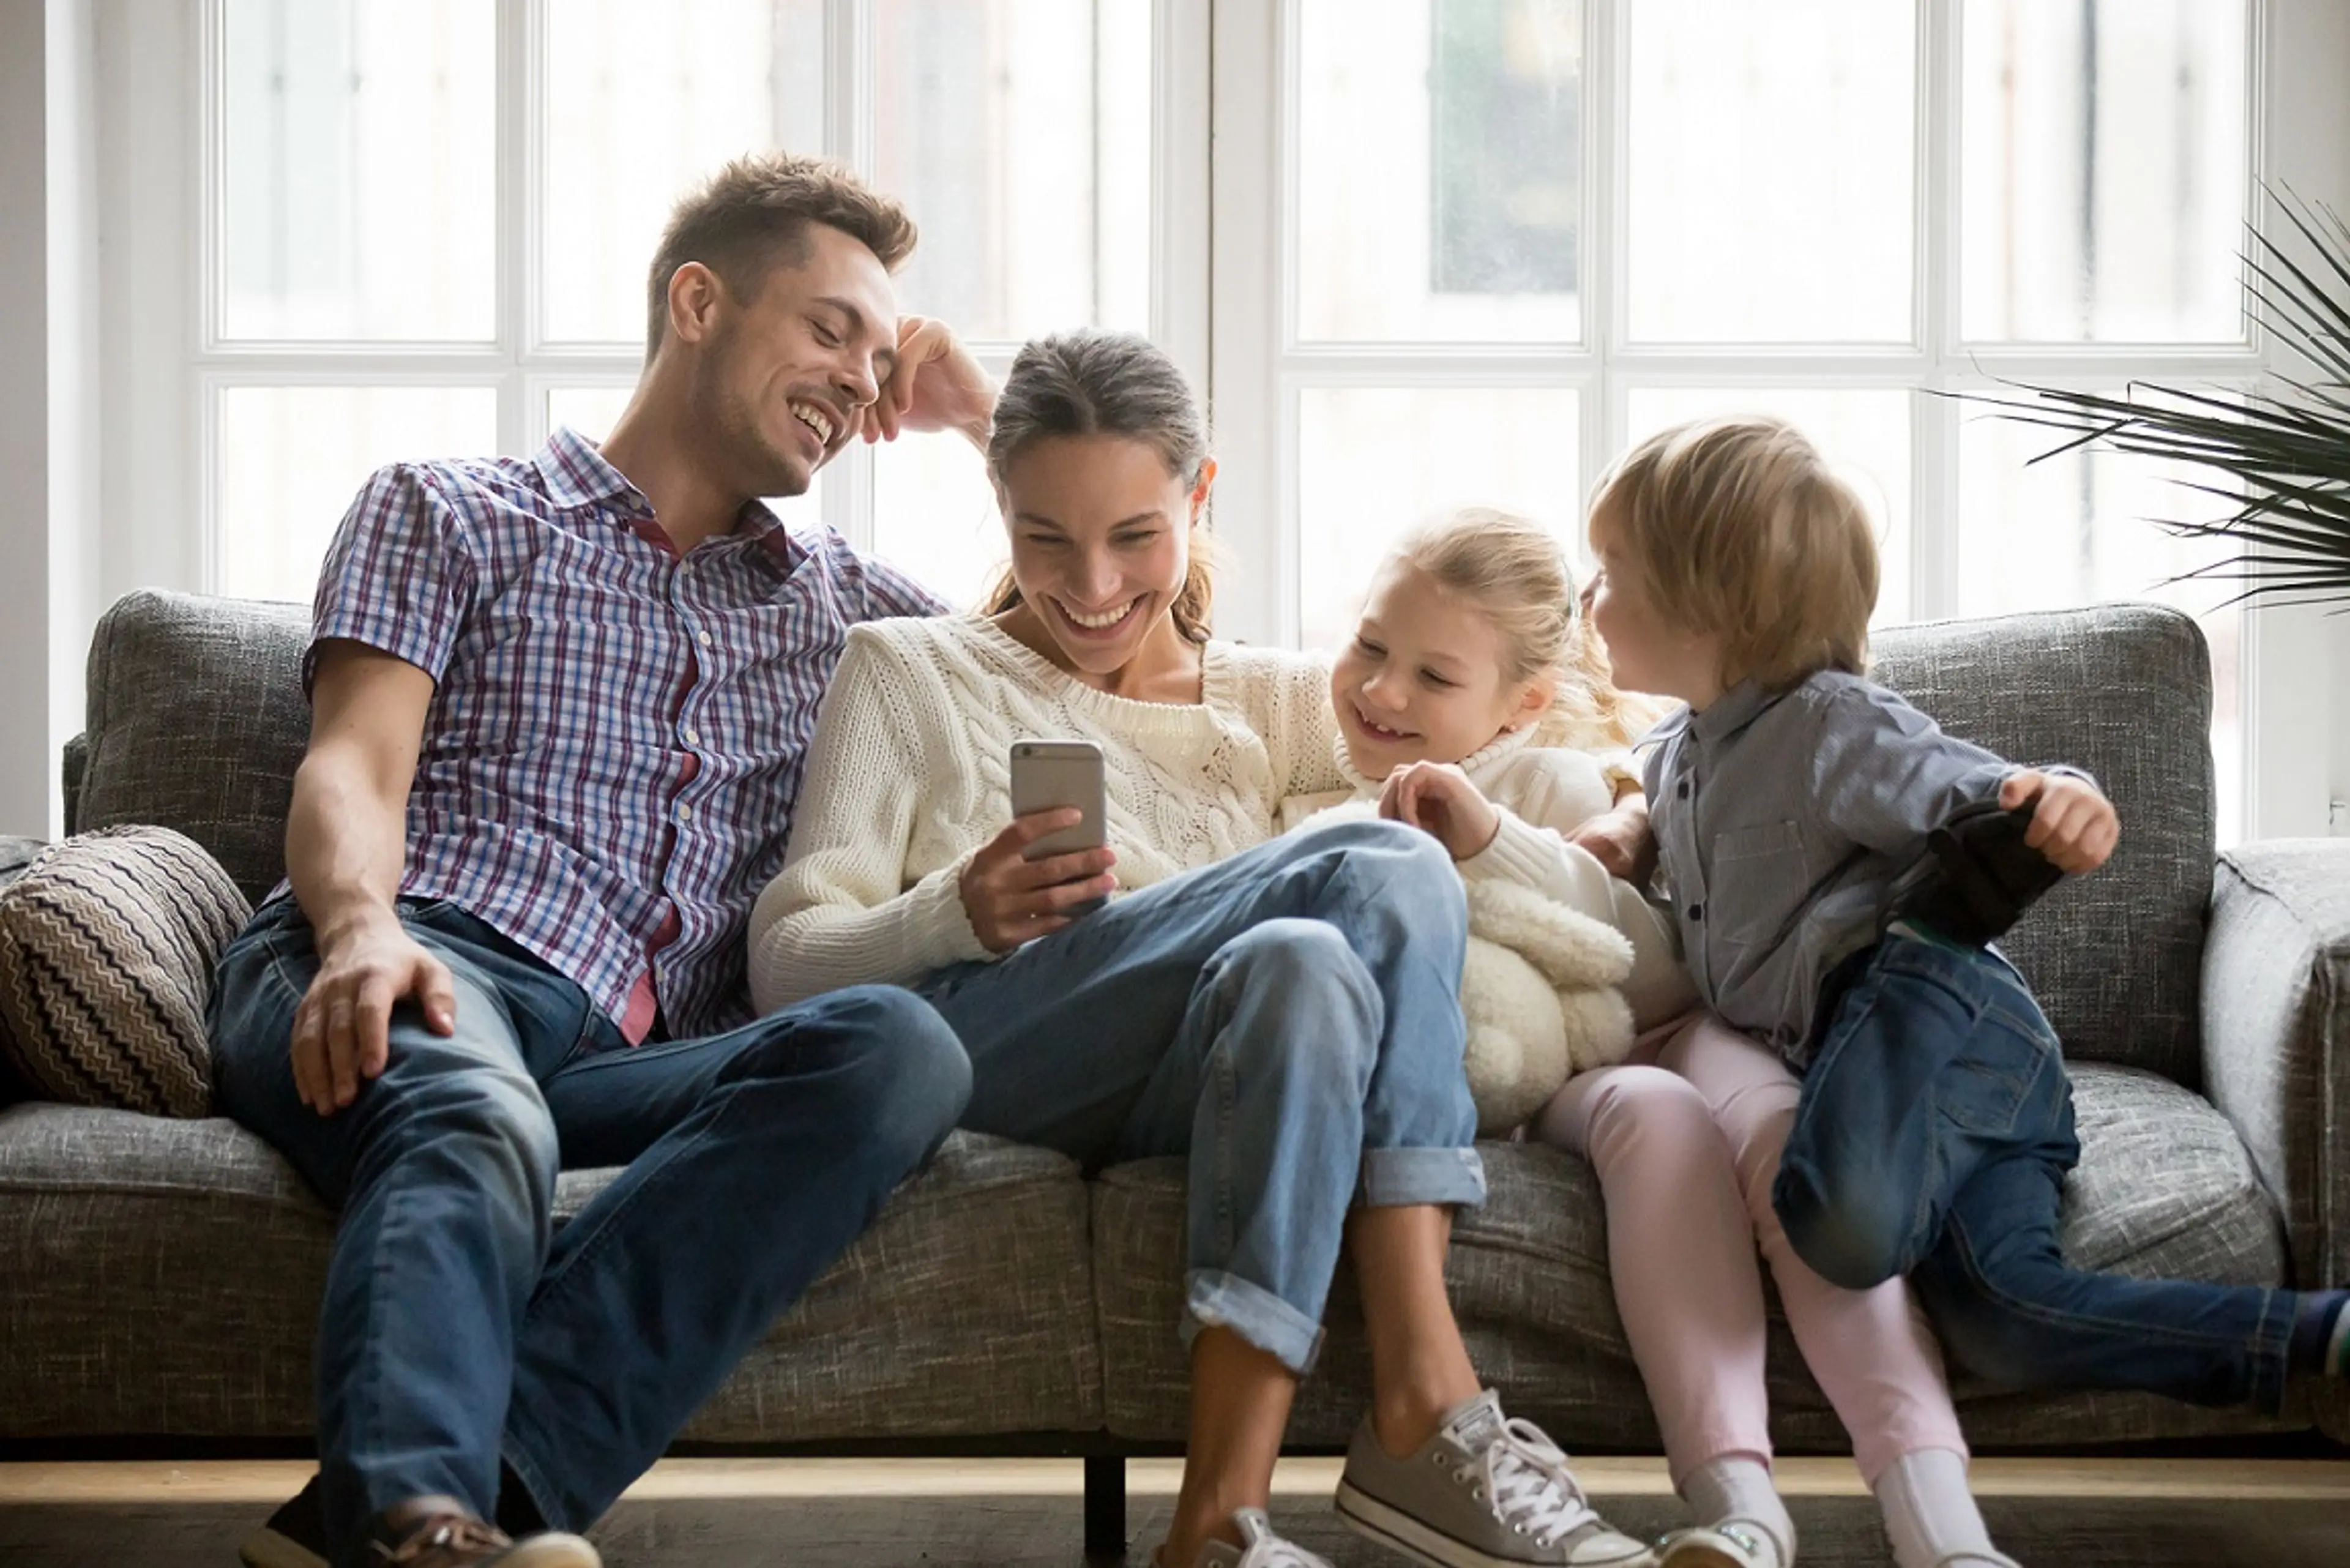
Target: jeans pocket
x=1984, y=1088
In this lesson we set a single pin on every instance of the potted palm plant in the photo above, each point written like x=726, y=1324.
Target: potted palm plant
x=2281, y=454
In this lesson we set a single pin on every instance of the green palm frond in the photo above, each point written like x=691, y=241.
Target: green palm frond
x=2286, y=447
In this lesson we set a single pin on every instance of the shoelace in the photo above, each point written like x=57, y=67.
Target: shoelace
x=1266, y=1550
x=448, y=1534
x=1527, y=1478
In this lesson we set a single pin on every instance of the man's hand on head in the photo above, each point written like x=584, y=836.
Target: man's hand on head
x=935, y=385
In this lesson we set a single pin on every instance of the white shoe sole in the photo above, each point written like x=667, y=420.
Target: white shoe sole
x=1399, y=1531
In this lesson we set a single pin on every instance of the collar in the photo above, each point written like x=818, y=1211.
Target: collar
x=578, y=478
x=1731, y=712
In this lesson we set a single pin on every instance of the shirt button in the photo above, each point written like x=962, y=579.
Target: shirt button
x=693, y=737
x=1697, y=911
x=704, y=638
x=685, y=813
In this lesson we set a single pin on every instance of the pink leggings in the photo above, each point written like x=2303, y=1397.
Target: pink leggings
x=1686, y=1150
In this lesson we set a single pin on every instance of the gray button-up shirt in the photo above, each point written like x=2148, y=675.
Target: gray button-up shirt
x=1780, y=818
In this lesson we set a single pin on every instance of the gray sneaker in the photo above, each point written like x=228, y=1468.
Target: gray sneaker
x=1483, y=1492
x=1264, y=1549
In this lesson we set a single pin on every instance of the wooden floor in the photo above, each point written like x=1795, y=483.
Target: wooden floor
x=1025, y=1513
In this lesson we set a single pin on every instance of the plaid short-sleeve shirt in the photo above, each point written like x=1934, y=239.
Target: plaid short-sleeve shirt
x=616, y=733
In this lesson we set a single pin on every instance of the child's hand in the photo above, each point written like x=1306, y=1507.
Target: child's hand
x=1438, y=798
x=2073, y=825
x=1621, y=840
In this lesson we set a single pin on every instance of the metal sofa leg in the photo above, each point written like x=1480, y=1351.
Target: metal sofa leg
x=1105, y=1505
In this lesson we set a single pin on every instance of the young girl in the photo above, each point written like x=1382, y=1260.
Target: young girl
x=1471, y=701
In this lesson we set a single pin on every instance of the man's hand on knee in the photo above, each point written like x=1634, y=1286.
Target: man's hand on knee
x=342, y=1030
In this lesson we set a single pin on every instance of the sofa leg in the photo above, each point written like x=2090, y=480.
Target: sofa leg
x=1104, y=1506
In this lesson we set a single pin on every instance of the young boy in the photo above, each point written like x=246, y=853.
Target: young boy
x=1935, y=1128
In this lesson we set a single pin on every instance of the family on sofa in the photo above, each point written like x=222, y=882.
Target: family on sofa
x=637, y=830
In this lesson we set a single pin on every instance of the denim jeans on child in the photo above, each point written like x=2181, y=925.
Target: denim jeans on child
x=458, y=1328
x=1290, y=1018
x=1932, y=1138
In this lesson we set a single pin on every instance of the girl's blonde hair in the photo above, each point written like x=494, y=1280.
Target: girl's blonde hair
x=1516, y=573
x=1738, y=528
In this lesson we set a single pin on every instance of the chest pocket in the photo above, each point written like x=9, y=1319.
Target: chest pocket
x=1757, y=876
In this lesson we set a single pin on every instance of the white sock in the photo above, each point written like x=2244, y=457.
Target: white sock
x=1738, y=1486
x=1929, y=1512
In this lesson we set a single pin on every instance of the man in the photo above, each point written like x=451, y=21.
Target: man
x=558, y=711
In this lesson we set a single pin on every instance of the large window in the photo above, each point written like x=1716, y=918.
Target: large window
x=429, y=222
x=1511, y=237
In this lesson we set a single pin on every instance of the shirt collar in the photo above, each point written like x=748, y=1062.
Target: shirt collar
x=577, y=476
x=1731, y=712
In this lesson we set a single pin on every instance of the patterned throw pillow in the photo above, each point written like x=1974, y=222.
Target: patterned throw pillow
x=107, y=947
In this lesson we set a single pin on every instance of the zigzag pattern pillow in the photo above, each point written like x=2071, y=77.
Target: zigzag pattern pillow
x=107, y=948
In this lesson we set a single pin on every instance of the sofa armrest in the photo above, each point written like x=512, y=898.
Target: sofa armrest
x=76, y=764
x=2276, y=1035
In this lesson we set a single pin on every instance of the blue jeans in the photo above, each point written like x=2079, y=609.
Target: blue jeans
x=458, y=1327
x=1289, y=1018
x=1932, y=1139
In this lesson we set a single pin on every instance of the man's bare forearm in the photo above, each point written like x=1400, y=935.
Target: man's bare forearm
x=346, y=843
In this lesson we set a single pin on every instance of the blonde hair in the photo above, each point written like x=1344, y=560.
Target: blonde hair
x=1513, y=571
x=1091, y=382
x=1737, y=528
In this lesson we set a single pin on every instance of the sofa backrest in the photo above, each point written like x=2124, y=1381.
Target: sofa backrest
x=2124, y=692
x=196, y=721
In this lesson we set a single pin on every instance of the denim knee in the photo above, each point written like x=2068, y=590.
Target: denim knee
x=1854, y=1238
x=489, y=1124
x=1410, y=870
x=905, y=1075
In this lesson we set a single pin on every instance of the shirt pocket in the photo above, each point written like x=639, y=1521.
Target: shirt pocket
x=1757, y=880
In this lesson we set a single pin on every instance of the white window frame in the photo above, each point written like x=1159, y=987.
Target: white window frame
x=1261, y=366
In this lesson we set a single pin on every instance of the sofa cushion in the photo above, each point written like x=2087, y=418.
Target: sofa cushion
x=196, y=721
x=107, y=947
x=166, y=1276
x=2163, y=1189
x=2125, y=692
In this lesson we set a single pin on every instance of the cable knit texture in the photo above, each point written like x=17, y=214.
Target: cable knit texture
x=910, y=773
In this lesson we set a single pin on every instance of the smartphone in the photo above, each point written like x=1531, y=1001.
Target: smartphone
x=1048, y=774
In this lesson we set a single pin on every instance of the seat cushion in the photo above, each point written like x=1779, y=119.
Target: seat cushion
x=163, y=1278
x=2164, y=1188
x=107, y=947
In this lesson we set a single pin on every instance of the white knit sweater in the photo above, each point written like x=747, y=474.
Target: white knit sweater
x=1543, y=793
x=910, y=773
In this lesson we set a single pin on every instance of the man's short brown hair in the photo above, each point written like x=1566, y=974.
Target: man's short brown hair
x=752, y=216
x=1738, y=527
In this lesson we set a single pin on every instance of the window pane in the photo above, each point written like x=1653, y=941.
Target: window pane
x=1375, y=462
x=2081, y=528
x=1440, y=167
x=1863, y=431
x=643, y=101
x=359, y=170
x=2103, y=157
x=1770, y=177
x=934, y=515
x=1019, y=137
x=292, y=458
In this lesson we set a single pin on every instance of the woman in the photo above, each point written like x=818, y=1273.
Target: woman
x=1285, y=1011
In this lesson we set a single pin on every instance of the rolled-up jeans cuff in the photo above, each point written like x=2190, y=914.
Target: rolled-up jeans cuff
x=1393, y=1178
x=1213, y=1299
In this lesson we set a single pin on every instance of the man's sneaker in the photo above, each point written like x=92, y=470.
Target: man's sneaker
x=295, y=1537
x=1483, y=1492
x=1263, y=1548
x=461, y=1541
x=1732, y=1543
x=1975, y=878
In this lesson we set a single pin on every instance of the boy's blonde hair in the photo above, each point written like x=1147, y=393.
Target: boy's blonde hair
x=1513, y=571
x=1737, y=528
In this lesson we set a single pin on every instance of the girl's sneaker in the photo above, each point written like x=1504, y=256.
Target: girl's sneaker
x=1483, y=1492
x=1732, y=1543
x=1263, y=1548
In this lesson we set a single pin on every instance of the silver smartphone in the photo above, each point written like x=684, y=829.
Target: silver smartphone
x=1048, y=774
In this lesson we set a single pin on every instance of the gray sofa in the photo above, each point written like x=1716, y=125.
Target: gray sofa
x=158, y=1279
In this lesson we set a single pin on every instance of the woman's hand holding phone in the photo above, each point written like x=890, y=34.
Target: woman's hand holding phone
x=1011, y=900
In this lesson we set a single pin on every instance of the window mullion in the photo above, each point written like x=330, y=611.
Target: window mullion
x=1934, y=421
x=522, y=34
x=848, y=500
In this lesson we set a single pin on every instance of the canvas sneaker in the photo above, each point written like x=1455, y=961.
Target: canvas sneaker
x=296, y=1537
x=1731, y=1543
x=1483, y=1491
x=1263, y=1548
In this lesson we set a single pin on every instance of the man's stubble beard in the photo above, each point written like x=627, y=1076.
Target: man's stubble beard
x=731, y=431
